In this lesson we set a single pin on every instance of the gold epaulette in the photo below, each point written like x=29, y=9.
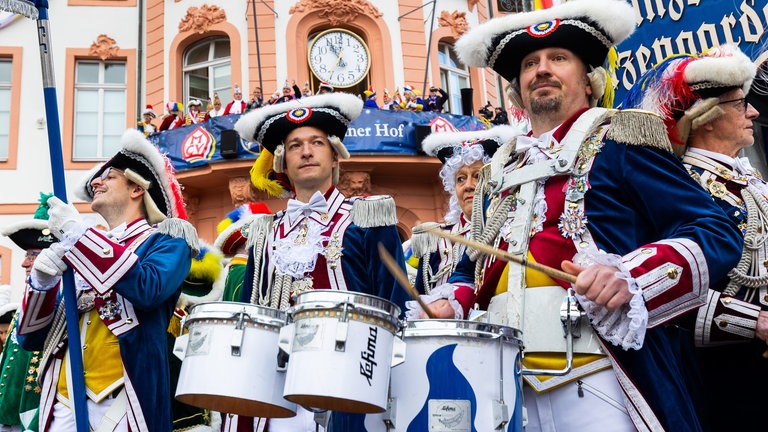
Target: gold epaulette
x=639, y=127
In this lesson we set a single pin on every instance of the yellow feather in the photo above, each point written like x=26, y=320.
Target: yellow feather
x=224, y=224
x=612, y=63
x=206, y=269
x=260, y=175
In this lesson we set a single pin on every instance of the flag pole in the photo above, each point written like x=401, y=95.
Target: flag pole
x=38, y=10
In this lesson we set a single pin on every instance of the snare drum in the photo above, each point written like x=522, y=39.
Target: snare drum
x=457, y=376
x=230, y=361
x=340, y=351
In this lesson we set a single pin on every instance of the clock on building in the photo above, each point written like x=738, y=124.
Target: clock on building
x=339, y=57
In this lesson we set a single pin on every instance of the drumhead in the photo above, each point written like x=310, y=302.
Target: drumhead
x=362, y=303
x=231, y=310
x=475, y=329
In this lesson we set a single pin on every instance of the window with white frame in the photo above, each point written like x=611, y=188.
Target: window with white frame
x=454, y=76
x=208, y=70
x=5, y=107
x=100, y=108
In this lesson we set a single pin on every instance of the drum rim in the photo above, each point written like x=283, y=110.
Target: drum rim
x=273, y=317
x=449, y=327
x=323, y=299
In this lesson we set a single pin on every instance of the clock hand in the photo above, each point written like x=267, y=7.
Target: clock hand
x=338, y=59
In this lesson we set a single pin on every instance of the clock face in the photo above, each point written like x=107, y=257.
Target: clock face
x=339, y=58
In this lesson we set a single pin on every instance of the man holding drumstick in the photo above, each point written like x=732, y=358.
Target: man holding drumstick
x=600, y=193
x=323, y=240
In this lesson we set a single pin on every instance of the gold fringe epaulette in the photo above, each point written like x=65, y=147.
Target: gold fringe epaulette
x=374, y=211
x=638, y=127
x=179, y=228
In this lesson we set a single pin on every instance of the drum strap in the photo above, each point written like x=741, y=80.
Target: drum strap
x=114, y=414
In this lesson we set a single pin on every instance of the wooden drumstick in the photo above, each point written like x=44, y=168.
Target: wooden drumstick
x=504, y=255
x=402, y=279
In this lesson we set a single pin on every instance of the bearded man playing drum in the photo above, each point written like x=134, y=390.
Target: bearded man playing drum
x=600, y=193
x=323, y=240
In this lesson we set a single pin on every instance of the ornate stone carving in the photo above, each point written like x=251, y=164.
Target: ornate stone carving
x=337, y=11
x=201, y=19
x=456, y=20
x=240, y=191
x=104, y=47
x=355, y=183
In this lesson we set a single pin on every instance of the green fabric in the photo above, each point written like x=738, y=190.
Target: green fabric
x=19, y=390
x=234, y=283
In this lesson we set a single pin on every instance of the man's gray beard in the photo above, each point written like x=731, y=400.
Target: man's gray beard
x=545, y=105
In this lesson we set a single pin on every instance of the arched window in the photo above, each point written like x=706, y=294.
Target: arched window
x=208, y=70
x=454, y=76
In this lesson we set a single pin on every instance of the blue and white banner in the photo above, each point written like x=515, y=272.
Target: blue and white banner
x=667, y=27
x=373, y=132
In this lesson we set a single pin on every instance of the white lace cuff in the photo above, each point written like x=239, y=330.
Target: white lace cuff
x=444, y=291
x=625, y=326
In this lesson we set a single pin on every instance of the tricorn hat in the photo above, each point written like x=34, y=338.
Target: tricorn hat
x=684, y=89
x=144, y=165
x=329, y=112
x=443, y=145
x=589, y=28
x=32, y=233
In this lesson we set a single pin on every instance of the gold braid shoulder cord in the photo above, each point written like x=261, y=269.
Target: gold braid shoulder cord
x=492, y=227
x=276, y=296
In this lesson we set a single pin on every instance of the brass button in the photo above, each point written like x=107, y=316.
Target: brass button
x=46, y=231
x=723, y=323
x=85, y=347
x=129, y=321
x=727, y=300
x=646, y=250
x=672, y=273
x=765, y=263
x=106, y=251
x=583, y=244
x=765, y=298
x=88, y=322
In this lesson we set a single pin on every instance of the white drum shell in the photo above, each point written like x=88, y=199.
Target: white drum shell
x=212, y=377
x=448, y=372
x=354, y=380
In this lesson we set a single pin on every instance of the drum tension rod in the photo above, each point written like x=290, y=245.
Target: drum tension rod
x=238, y=334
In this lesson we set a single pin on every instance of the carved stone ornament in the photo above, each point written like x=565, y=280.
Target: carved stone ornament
x=240, y=191
x=354, y=183
x=456, y=20
x=337, y=11
x=104, y=47
x=201, y=19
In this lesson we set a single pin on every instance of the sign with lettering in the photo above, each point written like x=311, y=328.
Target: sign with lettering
x=667, y=27
x=373, y=132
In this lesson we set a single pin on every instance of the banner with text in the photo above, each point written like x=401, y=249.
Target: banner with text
x=373, y=132
x=667, y=27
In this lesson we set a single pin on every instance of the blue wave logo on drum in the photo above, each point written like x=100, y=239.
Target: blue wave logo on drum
x=448, y=384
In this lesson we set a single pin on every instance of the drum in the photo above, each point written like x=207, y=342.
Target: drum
x=230, y=363
x=340, y=351
x=457, y=376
